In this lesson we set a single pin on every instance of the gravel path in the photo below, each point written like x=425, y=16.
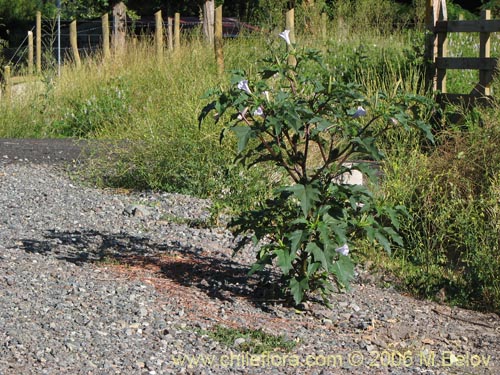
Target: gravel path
x=117, y=282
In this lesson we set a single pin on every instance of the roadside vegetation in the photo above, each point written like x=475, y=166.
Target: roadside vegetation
x=146, y=112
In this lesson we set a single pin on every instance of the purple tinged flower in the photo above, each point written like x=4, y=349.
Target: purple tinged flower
x=286, y=35
x=258, y=112
x=360, y=112
x=243, y=85
x=344, y=250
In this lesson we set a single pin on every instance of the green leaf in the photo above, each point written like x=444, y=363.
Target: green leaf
x=307, y=195
x=394, y=236
x=243, y=133
x=293, y=120
x=393, y=215
x=255, y=268
x=383, y=241
x=324, y=234
x=367, y=169
x=338, y=226
x=368, y=147
x=298, y=288
x=318, y=254
x=312, y=268
x=296, y=239
x=343, y=269
x=285, y=260
x=426, y=129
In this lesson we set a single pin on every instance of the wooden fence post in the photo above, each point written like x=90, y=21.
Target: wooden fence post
x=442, y=51
x=323, y=26
x=159, y=35
x=218, y=42
x=74, y=43
x=119, y=27
x=170, y=33
x=208, y=20
x=430, y=45
x=105, y=36
x=8, y=82
x=30, y=52
x=485, y=76
x=290, y=25
x=177, y=31
x=38, y=42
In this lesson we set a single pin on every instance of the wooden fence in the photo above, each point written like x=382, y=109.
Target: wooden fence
x=437, y=51
x=113, y=44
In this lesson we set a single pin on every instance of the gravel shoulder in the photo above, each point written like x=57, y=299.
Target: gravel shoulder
x=97, y=281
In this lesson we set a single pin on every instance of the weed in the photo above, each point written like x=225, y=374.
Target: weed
x=255, y=341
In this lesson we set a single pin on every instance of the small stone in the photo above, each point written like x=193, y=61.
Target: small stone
x=355, y=307
x=239, y=341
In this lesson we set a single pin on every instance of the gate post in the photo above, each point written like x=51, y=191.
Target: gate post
x=485, y=76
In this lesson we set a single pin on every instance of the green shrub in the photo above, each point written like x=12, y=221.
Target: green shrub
x=296, y=115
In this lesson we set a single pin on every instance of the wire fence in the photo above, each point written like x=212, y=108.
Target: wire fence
x=90, y=36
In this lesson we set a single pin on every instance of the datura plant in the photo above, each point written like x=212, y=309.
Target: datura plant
x=295, y=115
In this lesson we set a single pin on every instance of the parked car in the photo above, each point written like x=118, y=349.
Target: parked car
x=231, y=27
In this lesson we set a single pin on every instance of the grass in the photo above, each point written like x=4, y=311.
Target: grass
x=251, y=341
x=145, y=113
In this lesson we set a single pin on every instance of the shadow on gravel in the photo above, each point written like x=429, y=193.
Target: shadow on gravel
x=219, y=278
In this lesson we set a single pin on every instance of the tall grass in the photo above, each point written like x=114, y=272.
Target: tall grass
x=451, y=193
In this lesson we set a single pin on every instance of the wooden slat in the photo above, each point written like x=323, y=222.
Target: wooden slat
x=471, y=63
x=483, y=26
x=23, y=79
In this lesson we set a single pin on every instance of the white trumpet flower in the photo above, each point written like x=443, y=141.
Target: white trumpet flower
x=286, y=35
x=243, y=85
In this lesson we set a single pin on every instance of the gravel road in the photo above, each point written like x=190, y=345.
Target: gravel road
x=97, y=281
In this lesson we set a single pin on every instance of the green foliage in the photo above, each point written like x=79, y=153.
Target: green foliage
x=86, y=117
x=255, y=341
x=383, y=16
x=494, y=6
x=19, y=9
x=296, y=115
x=452, y=231
x=456, y=11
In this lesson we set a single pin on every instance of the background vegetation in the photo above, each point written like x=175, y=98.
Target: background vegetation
x=146, y=112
